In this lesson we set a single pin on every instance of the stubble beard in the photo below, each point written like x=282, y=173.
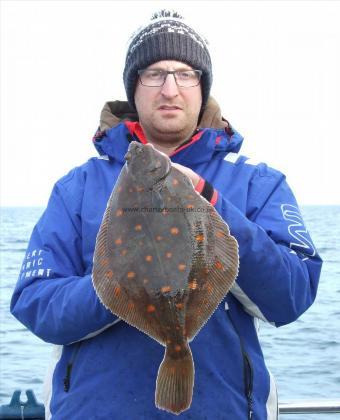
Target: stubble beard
x=169, y=133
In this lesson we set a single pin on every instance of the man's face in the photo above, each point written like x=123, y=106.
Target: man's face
x=168, y=113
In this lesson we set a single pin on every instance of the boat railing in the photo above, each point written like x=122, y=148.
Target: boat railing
x=310, y=406
x=31, y=409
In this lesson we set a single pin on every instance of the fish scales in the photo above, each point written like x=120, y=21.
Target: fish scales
x=164, y=259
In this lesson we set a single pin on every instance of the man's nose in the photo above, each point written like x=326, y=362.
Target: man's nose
x=170, y=88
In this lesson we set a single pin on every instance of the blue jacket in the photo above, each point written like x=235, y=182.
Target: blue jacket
x=106, y=369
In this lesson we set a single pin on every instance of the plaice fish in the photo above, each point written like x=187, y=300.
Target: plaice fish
x=164, y=259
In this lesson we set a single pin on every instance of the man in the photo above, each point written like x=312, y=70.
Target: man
x=105, y=368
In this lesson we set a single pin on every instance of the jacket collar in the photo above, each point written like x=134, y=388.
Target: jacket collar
x=119, y=126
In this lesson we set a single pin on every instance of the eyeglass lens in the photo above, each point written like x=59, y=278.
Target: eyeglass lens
x=156, y=78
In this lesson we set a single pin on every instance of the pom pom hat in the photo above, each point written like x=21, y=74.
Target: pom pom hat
x=167, y=37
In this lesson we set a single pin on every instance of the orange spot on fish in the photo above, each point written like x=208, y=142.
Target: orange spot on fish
x=168, y=341
x=150, y=308
x=159, y=237
x=104, y=261
x=174, y=231
x=199, y=237
x=119, y=212
x=209, y=288
x=117, y=291
x=109, y=274
x=178, y=348
x=118, y=241
x=193, y=284
x=220, y=234
x=181, y=267
x=175, y=182
x=190, y=206
x=165, y=289
x=168, y=254
x=123, y=252
x=179, y=306
x=148, y=258
x=131, y=275
x=131, y=305
x=119, y=189
x=138, y=227
x=218, y=265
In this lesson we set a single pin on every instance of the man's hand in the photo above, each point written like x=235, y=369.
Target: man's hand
x=193, y=176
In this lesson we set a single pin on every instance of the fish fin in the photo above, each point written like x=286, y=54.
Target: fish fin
x=213, y=278
x=112, y=293
x=175, y=382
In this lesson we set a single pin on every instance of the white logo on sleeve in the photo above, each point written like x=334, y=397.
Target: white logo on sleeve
x=33, y=265
x=301, y=240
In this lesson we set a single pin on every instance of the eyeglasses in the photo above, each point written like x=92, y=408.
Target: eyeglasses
x=157, y=78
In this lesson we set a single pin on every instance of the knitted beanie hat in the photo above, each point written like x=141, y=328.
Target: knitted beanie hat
x=166, y=37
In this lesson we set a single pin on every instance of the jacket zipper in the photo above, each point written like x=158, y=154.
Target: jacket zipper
x=248, y=372
x=248, y=382
x=69, y=366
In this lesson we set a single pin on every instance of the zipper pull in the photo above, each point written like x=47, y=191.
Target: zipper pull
x=250, y=406
x=67, y=381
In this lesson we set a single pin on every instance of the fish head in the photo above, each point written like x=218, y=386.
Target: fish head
x=147, y=165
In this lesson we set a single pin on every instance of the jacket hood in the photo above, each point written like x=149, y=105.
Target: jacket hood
x=214, y=134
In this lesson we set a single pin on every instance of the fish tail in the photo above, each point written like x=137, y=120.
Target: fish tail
x=175, y=381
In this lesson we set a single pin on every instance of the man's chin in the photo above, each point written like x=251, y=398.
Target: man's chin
x=172, y=124
x=170, y=130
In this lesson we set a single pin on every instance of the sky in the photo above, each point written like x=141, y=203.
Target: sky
x=276, y=67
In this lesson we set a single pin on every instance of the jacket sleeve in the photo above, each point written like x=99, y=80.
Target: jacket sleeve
x=53, y=297
x=279, y=265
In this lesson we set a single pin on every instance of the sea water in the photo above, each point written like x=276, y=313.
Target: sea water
x=303, y=356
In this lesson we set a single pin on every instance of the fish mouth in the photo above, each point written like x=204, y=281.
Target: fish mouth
x=128, y=156
x=132, y=147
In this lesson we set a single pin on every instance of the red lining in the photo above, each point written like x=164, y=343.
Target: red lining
x=194, y=138
x=214, y=198
x=135, y=129
x=200, y=185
